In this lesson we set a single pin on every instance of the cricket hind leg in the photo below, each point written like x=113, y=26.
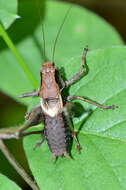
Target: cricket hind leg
x=70, y=98
x=35, y=117
x=82, y=72
x=38, y=119
x=66, y=112
x=29, y=94
x=17, y=132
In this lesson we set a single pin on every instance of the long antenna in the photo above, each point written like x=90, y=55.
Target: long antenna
x=44, y=47
x=43, y=33
x=57, y=36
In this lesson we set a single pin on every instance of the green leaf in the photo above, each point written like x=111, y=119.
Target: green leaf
x=81, y=28
x=6, y=184
x=102, y=133
x=8, y=12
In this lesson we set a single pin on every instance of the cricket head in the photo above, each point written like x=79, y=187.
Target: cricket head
x=48, y=67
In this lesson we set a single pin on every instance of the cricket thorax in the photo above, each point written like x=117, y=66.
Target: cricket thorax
x=51, y=101
x=52, y=106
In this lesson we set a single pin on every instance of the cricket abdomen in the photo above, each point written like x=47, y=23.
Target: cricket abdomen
x=57, y=134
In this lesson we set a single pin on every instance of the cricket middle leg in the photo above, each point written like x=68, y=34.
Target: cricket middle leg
x=69, y=98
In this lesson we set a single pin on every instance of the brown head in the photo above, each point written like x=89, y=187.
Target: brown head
x=48, y=67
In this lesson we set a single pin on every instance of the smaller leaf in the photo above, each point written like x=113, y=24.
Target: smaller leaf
x=6, y=184
x=8, y=12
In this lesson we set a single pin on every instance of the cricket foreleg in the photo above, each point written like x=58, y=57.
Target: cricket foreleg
x=82, y=71
x=69, y=98
x=28, y=94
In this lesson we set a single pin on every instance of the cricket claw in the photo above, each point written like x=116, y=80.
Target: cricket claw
x=113, y=107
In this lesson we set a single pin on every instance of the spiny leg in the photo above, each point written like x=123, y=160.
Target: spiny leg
x=35, y=118
x=82, y=71
x=16, y=132
x=36, y=115
x=28, y=94
x=67, y=115
x=38, y=119
x=69, y=98
x=30, y=133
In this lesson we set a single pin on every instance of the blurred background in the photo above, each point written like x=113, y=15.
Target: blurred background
x=113, y=11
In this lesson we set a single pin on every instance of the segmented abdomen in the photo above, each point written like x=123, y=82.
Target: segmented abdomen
x=58, y=134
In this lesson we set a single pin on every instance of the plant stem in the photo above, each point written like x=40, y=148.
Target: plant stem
x=20, y=59
x=17, y=166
